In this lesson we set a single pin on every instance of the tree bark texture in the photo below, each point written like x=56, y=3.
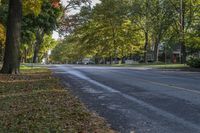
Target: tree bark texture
x=11, y=56
x=1, y=52
x=146, y=47
x=39, y=41
x=182, y=34
x=156, y=49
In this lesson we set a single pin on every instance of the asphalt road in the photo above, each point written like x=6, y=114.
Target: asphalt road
x=137, y=99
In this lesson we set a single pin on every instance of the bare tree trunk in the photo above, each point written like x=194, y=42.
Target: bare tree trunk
x=1, y=52
x=182, y=34
x=39, y=41
x=25, y=55
x=145, y=47
x=114, y=44
x=11, y=57
x=111, y=60
x=183, y=51
x=105, y=60
x=115, y=58
x=156, y=49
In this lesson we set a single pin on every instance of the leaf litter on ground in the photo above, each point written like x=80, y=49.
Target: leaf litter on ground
x=35, y=101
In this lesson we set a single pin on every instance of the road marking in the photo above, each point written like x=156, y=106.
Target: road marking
x=77, y=73
x=172, y=86
x=82, y=76
x=167, y=85
x=163, y=84
x=133, y=99
x=162, y=112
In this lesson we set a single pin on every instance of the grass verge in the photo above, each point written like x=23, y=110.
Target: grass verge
x=35, y=102
x=151, y=65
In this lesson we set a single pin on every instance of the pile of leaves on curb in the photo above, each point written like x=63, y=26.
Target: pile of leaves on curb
x=35, y=102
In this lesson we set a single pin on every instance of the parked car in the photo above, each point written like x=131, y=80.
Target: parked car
x=87, y=61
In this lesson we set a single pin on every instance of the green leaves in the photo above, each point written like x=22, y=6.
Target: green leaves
x=106, y=30
x=32, y=6
x=48, y=44
x=121, y=28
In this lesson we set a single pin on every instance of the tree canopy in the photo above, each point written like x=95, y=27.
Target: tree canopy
x=117, y=29
x=26, y=28
x=112, y=30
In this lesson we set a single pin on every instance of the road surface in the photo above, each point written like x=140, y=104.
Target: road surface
x=137, y=99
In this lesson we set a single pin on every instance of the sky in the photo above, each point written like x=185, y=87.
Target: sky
x=55, y=34
x=93, y=1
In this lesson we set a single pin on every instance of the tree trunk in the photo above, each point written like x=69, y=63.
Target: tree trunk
x=111, y=60
x=114, y=42
x=39, y=41
x=1, y=52
x=156, y=50
x=145, y=47
x=183, y=53
x=115, y=58
x=11, y=57
x=104, y=60
x=182, y=34
x=25, y=55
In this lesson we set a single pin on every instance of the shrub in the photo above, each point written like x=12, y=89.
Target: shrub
x=193, y=62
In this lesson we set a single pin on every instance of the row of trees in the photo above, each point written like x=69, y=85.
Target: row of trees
x=26, y=28
x=121, y=28
x=25, y=24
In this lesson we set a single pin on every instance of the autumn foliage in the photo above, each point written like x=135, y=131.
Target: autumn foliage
x=2, y=34
x=55, y=3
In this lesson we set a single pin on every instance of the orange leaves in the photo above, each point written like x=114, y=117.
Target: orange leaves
x=55, y=3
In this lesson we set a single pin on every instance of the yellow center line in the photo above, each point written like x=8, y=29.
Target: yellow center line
x=167, y=85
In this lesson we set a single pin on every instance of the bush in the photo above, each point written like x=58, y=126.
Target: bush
x=193, y=62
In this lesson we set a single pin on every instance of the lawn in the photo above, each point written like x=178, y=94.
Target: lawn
x=35, y=102
x=151, y=65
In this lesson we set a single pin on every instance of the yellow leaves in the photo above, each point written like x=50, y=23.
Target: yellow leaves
x=2, y=34
x=127, y=23
x=32, y=6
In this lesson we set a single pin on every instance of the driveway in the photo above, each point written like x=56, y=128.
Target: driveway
x=142, y=100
